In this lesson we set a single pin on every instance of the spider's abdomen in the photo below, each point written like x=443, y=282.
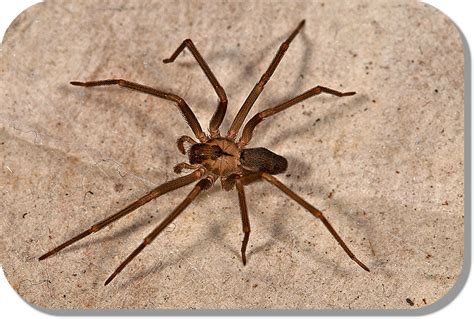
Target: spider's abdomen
x=262, y=160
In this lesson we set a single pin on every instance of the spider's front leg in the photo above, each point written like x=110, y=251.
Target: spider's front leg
x=258, y=88
x=218, y=116
x=180, y=103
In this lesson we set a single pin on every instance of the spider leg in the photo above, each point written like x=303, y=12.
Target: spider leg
x=201, y=185
x=244, y=110
x=182, y=105
x=154, y=193
x=259, y=117
x=218, y=116
x=317, y=213
x=245, y=217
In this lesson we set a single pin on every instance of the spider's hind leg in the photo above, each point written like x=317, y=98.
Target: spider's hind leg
x=219, y=114
x=316, y=213
x=203, y=184
x=154, y=193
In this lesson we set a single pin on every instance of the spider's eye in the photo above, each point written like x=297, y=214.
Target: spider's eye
x=200, y=152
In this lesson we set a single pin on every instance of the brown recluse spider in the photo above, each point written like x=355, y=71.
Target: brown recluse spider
x=215, y=156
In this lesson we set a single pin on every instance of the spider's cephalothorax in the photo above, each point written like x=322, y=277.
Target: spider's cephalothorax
x=220, y=156
x=215, y=156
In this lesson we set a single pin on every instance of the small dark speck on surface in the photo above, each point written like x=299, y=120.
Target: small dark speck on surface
x=316, y=121
x=445, y=203
x=24, y=215
x=118, y=187
x=410, y=302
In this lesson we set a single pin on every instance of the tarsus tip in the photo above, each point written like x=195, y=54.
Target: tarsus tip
x=44, y=256
x=362, y=265
x=111, y=277
x=108, y=281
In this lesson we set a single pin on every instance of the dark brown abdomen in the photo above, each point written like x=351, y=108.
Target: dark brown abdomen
x=262, y=160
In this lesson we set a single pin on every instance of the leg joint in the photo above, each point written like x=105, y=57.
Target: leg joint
x=205, y=184
x=221, y=93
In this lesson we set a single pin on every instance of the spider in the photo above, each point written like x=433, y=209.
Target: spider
x=215, y=156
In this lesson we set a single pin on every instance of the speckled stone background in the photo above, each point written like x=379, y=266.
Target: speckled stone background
x=385, y=165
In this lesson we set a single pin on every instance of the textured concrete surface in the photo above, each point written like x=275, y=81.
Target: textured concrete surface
x=386, y=165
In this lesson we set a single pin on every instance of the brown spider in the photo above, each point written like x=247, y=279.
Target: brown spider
x=215, y=156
